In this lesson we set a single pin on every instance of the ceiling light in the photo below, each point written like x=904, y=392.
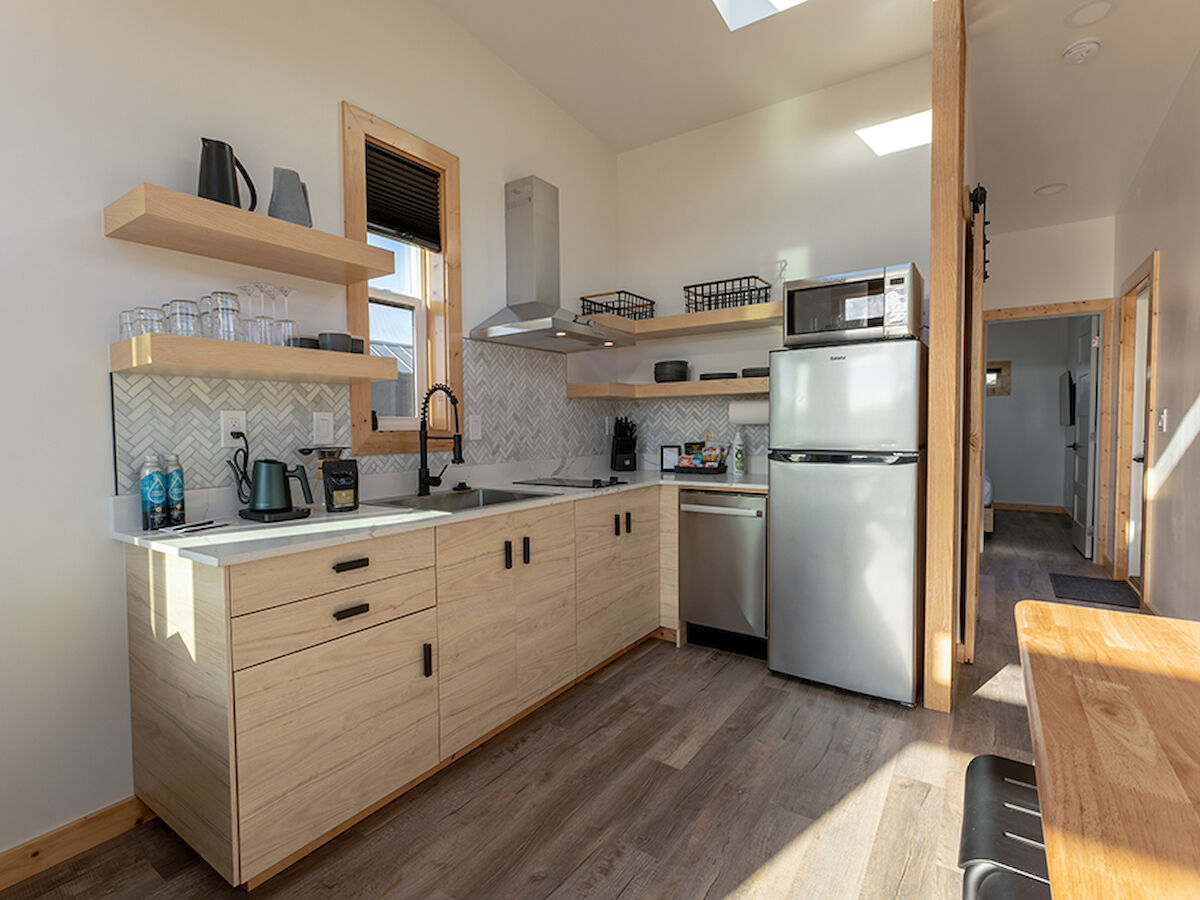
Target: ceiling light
x=608, y=343
x=560, y=334
x=1081, y=51
x=1049, y=190
x=740, y=13
x=899, y=134
x=1090, y=13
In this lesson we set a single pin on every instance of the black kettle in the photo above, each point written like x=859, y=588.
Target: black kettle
x=218, y=180
x=267, y=491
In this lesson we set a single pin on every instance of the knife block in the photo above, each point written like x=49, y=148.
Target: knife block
x=624, y=454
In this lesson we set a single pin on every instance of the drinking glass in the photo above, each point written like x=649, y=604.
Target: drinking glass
x=182, y=317
x=128, y=321
x=150, y=321
x=224, y=315
x=285, y=330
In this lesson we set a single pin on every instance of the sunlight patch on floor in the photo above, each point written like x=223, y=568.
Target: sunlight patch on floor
x=1006, y=686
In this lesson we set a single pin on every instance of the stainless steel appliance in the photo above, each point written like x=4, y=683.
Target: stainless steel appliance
x=845, y=581
x=855, y=306
x=722, y=561
x=534, y=316
x=553, y=481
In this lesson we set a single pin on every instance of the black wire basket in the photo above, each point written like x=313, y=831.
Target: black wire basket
x=728, y=292
x=618, y=303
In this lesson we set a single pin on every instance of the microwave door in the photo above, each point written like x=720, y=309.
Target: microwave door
x=831, y=312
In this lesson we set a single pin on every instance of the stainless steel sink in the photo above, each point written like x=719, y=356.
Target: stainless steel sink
x=457, y=501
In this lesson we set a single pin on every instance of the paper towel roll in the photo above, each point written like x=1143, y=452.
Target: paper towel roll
x=749, y=412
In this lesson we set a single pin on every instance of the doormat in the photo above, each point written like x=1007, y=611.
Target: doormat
x=1094, y=590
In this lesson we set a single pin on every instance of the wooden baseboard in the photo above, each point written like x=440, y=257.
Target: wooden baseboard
x=664, y=634
x=1031, y=507
x=27, y=859
x=291, y=860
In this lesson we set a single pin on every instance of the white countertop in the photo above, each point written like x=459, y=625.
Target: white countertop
x=242, y=541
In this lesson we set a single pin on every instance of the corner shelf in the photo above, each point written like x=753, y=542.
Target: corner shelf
x=735, y=318
x=160, y=217
x=171, y=354
x=618, y=390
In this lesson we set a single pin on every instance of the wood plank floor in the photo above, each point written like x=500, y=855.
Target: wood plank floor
x=672, y=773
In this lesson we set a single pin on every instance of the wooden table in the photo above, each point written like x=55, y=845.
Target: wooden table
x=1114, y=707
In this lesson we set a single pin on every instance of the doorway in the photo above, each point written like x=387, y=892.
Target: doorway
x=1041, y=444
x=1136, y=425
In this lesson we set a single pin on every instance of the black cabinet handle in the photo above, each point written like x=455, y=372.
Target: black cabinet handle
x=428, y=660
x=617, y=524
x=508, y=554
x=349, y=611
x=628, y=522
x=360, y=563
x=525, y=554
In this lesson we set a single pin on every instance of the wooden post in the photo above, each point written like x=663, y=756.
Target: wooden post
x=944, y=445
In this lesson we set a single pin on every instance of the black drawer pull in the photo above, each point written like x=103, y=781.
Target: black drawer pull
x=428, y=660
x=617, y=524
x=349, y=611
x=360, y=563
x=525, y=549
x=508, y=554
x=628, y=522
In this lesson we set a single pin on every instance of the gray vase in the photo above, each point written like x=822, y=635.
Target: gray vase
x=289, y=198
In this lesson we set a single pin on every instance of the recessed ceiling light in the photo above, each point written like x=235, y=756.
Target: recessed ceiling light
x=1048, y=190
x=1081, y=51
x=899, y=134
x=560, y=334
x=608, y=343
x=1091, y=13
x=740, y=13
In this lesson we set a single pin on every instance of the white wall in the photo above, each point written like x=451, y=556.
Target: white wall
x=1055, y=264
x=99, y=97
x=1161, y=212
x=1024, y=444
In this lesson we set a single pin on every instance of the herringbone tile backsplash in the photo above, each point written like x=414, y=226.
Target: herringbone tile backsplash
x=678, y=420
x=518, y=393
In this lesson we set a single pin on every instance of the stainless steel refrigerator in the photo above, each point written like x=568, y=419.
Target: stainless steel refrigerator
x=845, y=548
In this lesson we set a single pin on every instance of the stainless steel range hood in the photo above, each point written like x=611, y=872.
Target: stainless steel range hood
x=534, y=316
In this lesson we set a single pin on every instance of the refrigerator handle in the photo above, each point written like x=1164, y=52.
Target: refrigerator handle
x=845, y=458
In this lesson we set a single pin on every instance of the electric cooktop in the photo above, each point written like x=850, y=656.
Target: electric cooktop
x=575, y=482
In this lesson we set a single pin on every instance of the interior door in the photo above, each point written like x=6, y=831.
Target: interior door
x=1083, y=493
x=1137, y=469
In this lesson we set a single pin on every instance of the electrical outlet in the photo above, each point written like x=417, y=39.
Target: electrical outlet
x=232, y=420
x=474, y=427
x=322, y=429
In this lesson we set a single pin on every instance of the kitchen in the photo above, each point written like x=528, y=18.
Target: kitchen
x=646, y=204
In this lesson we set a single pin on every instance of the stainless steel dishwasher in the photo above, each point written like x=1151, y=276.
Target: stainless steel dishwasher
x=723, y=562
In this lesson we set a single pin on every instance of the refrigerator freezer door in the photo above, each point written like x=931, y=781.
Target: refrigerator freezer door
x=843, y=574
x=866, y=396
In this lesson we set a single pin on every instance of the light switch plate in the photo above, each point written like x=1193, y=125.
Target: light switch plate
x=322, y=428
x=232, y=420
x=1162, y=420
x=474, y=427
x=610, y=425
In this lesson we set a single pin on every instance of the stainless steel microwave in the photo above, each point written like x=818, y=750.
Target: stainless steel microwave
x=854, y=306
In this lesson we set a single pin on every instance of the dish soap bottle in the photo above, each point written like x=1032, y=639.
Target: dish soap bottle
x=154, y=493
x=739, y=456
x=175, y=515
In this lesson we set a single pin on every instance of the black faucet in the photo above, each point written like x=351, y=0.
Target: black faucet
x=424, y=480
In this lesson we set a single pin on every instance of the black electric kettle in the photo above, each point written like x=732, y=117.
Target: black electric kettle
x=267, y=490
x=218, y=178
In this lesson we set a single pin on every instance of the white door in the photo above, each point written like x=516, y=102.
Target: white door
x=1083, y=493
x=1137, y=469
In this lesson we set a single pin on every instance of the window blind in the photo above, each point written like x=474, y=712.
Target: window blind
x=402, y=199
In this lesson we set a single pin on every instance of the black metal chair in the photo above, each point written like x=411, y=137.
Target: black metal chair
x=1001, y=852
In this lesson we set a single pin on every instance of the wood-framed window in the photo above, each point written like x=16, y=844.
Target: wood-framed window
x=997, y=378
x=437, y=338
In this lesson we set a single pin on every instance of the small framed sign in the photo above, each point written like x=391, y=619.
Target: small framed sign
x=669, y=456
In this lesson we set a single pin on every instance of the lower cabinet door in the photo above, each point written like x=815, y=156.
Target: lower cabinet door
x=325, y=732
x=545, y=603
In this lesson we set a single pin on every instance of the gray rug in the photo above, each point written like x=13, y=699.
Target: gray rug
x=1094, y=590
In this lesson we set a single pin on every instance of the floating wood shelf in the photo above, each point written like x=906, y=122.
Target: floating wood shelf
x=736, y=318
x=170, y=354
x=619, y=390
x=164, y=218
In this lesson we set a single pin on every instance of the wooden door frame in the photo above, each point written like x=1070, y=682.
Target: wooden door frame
x=1108, y=357
x=1145, y=274
x=973, y=488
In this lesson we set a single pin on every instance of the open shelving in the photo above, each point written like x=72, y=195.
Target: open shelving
x=170, y=354
x=618, y=390
x=161, y=217
x=736, y=318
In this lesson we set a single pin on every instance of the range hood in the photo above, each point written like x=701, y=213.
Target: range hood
x=534, y=316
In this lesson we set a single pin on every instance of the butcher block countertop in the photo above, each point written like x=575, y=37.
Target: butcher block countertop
x=1114, y=708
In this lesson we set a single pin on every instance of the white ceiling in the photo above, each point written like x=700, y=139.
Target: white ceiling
x=1034, y=120
x=637, y=71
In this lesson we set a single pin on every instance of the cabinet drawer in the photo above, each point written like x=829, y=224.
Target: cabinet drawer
x=324, y=733
x=279, y=630
x=282, y=579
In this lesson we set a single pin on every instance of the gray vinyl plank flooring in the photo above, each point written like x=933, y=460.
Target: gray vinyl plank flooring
x=685, y=773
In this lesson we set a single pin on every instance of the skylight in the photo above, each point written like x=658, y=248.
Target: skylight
x=740, y=13
x=899, y=134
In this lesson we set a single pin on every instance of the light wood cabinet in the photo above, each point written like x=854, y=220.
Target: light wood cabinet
x=616, y=574
x=326, y=732
x=506, y=618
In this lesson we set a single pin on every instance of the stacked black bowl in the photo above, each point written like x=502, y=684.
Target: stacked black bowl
x=671, y=370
